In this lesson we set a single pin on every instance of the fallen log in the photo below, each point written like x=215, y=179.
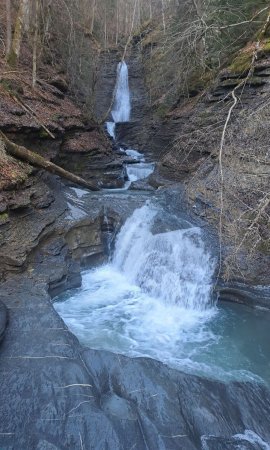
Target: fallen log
x=36, y=160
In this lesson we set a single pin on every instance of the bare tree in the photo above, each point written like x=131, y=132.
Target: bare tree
x=35, y=42
x=22, y=23
x=93, y=16
x=9, y=28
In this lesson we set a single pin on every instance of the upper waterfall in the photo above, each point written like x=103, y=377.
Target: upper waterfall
x=122, y=107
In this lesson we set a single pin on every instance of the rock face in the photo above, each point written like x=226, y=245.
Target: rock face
x=47, y=121
x=3, y=320
x=195, y=160
x=70, y=397
x=104, y=89
x=186, y=143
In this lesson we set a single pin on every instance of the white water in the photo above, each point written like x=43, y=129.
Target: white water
x=121, y=113
x=122, y=107
x=139, y=171
x=111, y=129
x=248, y=436
x=172, y=267
x=253, y=438
x=134, y=154
x=153, y=297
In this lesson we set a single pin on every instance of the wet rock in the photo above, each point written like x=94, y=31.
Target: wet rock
x=3, y=204
x=141, y=185
x=253, y=296
x=117, y=406
x=216, y=443
x=77, y=395
x=3, y=320
x=84, y=240
x=45, y=445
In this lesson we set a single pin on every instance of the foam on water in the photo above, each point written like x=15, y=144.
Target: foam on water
x=253, y=438
x=154, y=299
x=239, y=440
x=139, y=171
x=111, y=129
x=135, y=154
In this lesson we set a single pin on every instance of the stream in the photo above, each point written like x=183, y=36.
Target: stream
x=155, y=297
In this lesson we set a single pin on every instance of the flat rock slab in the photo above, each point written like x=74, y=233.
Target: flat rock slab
x=56, y=394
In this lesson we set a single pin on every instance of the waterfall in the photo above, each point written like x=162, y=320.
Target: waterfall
x=139, y=171
x=153, y=298
x=173, y=266
x=121, y=113
x=121, y=108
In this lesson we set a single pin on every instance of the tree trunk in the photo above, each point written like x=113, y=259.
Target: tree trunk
x=163, y=16
x=35, y=43
x=93, y=16
x=105, y=28
x=36, y=160
x=9, y=29
x=117, y=22
x=20, y=25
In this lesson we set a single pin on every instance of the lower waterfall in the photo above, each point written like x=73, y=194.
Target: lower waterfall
x=172, y=267
x=154, y=298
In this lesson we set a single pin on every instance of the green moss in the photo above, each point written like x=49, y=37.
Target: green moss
x=161, y=110
x=4, y=217
x=241, y=63
x=43, y=134
x=197, y=81
x=265, y=48
x=6, y=85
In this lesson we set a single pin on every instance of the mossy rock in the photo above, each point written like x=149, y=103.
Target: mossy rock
x=256, y=81
x=264, y=49
x=43, y=134
x=241, y=63
x=4, y=218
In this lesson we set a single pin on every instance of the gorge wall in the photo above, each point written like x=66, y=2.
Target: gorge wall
x=185, y=140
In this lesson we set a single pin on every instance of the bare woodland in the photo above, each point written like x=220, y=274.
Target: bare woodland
x=186, y=44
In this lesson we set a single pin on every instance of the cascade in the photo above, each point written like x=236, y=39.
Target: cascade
x=121, y=107
x=121, y=113
x=155, y=299
x=173, y=266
